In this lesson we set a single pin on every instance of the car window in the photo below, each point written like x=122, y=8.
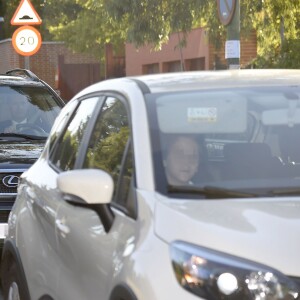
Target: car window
x=33, y=105
x=244, y=139
x=60, y=123
x=65, y=153
x=108, y=143
x=214, y=143
x=125, y=180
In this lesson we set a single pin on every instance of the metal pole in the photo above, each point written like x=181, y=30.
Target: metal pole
x=2, y=34
x=27, y=62
x=233, y=39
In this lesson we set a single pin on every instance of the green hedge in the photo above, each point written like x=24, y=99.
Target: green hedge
x=287, y=58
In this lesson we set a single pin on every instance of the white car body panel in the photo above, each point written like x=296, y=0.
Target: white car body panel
x=32, y=210
x=256, y=229
x=122, y=255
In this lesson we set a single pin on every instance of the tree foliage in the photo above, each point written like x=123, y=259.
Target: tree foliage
x=87, y=25
x=278, y=27
x=288, y=57
x=153, y=21
x=84, y=25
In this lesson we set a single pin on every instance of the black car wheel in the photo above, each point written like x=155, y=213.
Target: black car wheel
x=12, y=285
x=122, y=292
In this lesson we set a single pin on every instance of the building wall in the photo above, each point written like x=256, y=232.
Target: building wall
x=198, y=54
x=248, y=49
x=9, y=59
x=44, y=63
x=144, y=60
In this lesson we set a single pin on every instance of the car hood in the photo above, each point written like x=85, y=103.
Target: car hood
x=262, y=230
x=20, y=152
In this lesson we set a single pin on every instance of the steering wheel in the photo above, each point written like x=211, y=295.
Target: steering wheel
x=32, y=129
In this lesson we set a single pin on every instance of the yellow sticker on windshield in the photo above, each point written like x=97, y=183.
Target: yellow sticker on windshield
x=202, y=114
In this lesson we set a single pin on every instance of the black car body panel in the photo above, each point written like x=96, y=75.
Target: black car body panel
x=24, y=153
x=19, y=150
x=15, y=158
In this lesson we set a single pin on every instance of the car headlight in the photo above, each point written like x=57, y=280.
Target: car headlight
x=213, y=275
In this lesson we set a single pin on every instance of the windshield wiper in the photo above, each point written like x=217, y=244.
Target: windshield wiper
x=285, y=191
x=211, y=192
x=25, y=136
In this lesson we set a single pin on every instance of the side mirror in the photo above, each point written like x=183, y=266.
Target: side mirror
x=92, y=186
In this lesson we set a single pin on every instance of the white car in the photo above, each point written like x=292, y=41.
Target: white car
x=168, y=186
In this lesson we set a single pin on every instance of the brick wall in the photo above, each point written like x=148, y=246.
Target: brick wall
x=9, y=59
x=144, y=60
x=138, y=59
x=44, y=63
x=248, y=49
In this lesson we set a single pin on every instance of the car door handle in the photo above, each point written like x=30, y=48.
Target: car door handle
x=62, y=227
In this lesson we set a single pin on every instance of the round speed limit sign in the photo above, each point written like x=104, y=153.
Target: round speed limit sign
x=26, y=40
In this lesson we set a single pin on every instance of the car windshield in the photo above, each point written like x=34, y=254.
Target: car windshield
x=27, y=111
x=242, y=142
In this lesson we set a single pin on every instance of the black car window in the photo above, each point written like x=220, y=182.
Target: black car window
x=107, y=145
x=124, y=182
x=34, y=105
x=65, y=154
x=60, y=123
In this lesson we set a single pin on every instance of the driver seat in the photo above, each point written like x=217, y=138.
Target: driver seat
x=250, y=161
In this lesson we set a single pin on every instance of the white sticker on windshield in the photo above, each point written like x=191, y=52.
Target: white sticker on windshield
x=202, y=114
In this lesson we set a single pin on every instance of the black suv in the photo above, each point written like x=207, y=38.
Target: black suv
x=28, y=108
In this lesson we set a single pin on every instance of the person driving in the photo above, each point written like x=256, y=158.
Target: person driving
x=18, y=106
x=182, y=160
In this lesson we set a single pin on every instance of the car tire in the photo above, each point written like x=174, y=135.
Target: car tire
x=12, y=284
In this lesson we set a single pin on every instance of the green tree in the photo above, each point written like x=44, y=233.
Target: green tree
x=278, y=31
x=87, y=25
x=84, y=25
x=151, y=21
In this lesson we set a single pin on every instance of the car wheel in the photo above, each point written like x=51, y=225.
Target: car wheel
x=12, y=287
x=13, y=292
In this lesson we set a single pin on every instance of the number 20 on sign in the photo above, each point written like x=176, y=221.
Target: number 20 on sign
x=26, y=40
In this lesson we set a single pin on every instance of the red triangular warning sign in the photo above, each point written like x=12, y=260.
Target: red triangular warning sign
x=25, y=15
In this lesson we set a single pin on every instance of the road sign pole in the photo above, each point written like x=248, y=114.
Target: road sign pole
x=233, y=38
x=27, y=62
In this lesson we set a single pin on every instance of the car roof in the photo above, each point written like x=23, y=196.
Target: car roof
x=195, y=80
x=18, y=82
x=220, y=79
x=20, y=77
